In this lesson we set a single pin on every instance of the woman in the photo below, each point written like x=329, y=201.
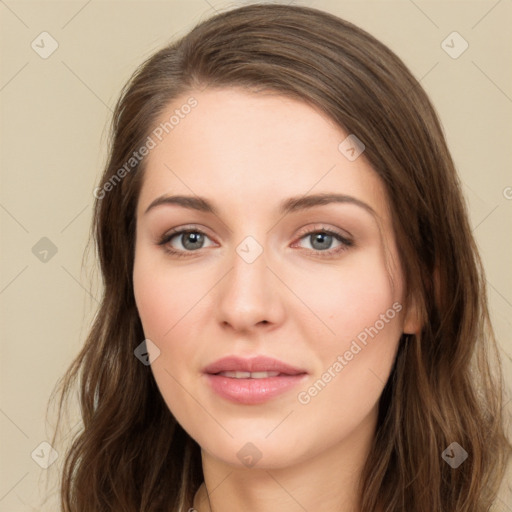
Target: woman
x=294, y=313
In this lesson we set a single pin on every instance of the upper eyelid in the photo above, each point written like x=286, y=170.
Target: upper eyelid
x=304, y=231
x=182, y=230
x=343, y=233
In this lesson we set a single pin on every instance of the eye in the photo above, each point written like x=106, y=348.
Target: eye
x=183, y=242
x=179, y=242
x=321, y=240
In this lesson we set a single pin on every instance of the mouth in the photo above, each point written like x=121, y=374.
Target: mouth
x=252, y=381
x=249, y=375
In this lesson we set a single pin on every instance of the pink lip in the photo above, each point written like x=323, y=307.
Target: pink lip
x=252, y=391
x=253, y=364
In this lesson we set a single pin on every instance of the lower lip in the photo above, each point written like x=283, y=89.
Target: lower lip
x=252, y=391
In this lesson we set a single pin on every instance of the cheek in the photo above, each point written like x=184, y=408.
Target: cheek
x=163, y=294
x=172, y=303
x=166, y=300
x=362, y=309
x=351, y=297
x=345, y=391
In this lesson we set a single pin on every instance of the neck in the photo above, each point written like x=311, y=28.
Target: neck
x=327, y=482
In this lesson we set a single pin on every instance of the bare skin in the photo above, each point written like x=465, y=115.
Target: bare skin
x=304, y=300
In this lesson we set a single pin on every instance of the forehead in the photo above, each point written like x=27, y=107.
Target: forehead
x=238, y=147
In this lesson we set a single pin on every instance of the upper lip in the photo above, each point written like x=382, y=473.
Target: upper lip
x=253, y=364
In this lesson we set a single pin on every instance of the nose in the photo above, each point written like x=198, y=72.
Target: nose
x=250, y=295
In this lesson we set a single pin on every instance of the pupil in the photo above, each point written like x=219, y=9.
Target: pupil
x=193, y=239
x=323, y=239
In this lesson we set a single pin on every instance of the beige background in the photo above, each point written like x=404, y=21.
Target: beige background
x=53, y=134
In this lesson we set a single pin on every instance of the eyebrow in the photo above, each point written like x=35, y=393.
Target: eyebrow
x=290, y=205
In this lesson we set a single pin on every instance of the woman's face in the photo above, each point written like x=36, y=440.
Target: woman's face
x=303, y=296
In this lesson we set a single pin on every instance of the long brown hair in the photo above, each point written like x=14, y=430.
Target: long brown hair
x=446, y=384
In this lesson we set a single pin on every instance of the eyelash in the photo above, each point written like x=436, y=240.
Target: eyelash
x=167, y=237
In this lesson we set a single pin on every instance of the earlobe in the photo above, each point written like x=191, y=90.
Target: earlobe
x=414, y=311
x=412, y=318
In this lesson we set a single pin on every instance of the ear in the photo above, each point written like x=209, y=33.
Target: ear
x=413, y=321
x=412, y=316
